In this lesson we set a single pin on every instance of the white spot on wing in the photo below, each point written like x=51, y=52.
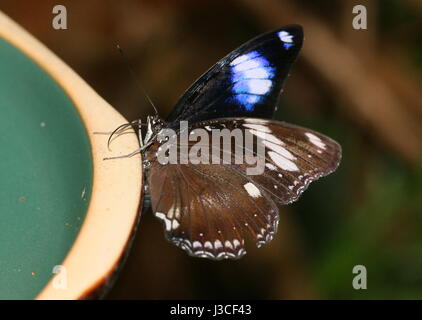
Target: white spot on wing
x=257, y=73
x=283, y=162
x=175, y=224
x=252, y=190
x=244, y=58
x=250, y=64
x=258, y=127
x=218, y=244
x=163, y=217
x=285, y=36
x=236, y=243
x=239, y=59
x=315, y=140
x=173, y=213
x=228, y=244
x=208, y=245
x=253, y=86
x=267, y=136
x=279, y=149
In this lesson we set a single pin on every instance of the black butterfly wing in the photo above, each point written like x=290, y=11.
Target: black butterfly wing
x=245, y=83
x=210, y=209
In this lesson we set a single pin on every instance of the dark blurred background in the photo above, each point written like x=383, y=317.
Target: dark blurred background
x=360, y=87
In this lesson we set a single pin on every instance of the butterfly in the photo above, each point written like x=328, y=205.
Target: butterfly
x=210, y=209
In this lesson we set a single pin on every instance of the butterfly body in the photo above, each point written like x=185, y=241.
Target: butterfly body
x=209, y=206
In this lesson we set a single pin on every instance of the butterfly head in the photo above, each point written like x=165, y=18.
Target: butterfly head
x=154, y=125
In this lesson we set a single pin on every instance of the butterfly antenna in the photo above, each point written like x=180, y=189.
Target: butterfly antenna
x=136, y=79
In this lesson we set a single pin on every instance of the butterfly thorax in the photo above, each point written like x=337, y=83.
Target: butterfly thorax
x=154, y=126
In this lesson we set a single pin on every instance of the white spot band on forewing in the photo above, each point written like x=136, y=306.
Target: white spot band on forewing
x=285, y=36
x=279, y=149
x=315, y=140
x=266, y=136
x=283, y=162
x=258, y=127
x=244, y=58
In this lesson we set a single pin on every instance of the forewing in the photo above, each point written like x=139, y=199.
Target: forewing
x=294, y=156
x=246, y=83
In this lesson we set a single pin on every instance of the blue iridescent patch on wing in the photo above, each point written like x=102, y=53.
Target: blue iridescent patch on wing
x=253, y=86
x=287, y=45
x=248, y=100
x=257, y=73
x=251, y=77
x=286, y=38
x=245, y=57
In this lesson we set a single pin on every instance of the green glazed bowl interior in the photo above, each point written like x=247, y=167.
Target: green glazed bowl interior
x=45, y=175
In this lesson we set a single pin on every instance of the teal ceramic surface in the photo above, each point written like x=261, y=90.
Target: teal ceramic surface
x=45, y=174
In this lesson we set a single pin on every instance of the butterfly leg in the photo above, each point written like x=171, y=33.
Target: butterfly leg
x=126, y=155
x=140, y=138
x=139, y=150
